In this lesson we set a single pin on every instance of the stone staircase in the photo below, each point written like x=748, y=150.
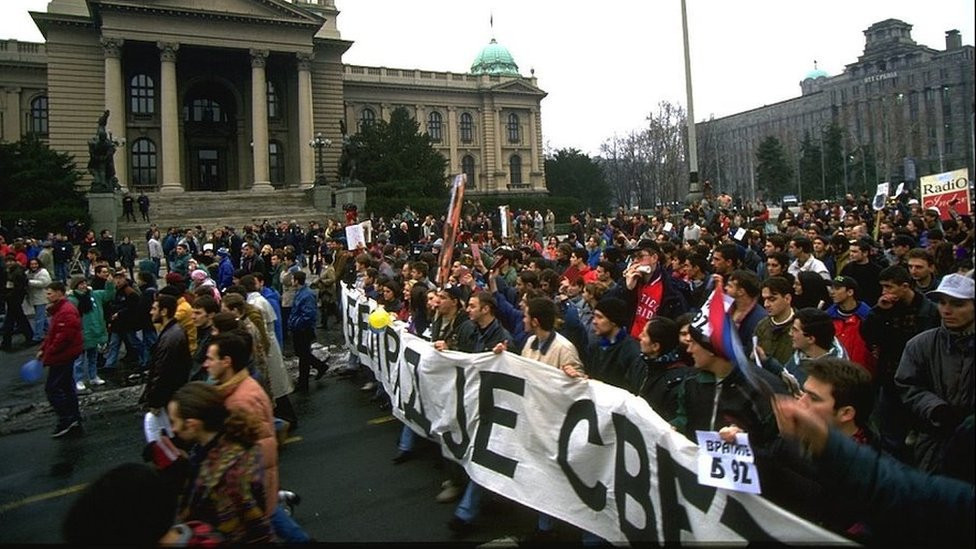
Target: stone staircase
x=218, y=209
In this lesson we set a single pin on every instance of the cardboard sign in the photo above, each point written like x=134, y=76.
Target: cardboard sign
x=947, y=190
x=727, y=465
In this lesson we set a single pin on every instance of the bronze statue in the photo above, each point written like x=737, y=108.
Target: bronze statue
x=101, y=161
x=349, y=159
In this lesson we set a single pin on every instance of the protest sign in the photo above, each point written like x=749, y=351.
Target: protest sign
x=355, y=236
x=947, y=190
x=451, y=226
x=729, y=465
x=587, y=453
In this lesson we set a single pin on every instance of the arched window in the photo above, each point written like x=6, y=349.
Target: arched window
x=515, y=170
x=276, y=162
x=144, y=163
x=467, y=128
x=205, y=109
x=467, y=166
x=513, y=128
x=274, y=103
x=38, y=115
x=434, y=126
x=142, y=94
x=366, y=118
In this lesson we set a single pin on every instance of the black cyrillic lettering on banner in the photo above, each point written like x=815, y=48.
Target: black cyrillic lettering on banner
x=699, y=495
x=350, y=312
x=493, y=415
x=392, y=352
x=595, y=497
x=674, y=518
x=636, y=486
x=457, y=449
x=741, y=522
x=362, y=327
x=415, y=406
x=374, y=346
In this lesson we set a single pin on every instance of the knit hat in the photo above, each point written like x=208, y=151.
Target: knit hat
x=199, y=275
x=174, y=278
x=615, y=310
x=75, y=281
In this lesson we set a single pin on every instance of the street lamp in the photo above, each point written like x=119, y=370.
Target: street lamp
x=319, y=143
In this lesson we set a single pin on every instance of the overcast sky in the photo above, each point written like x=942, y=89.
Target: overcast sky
x=606, y=64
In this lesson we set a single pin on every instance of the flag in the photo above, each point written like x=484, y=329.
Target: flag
x=714, y=321
x=451, y=228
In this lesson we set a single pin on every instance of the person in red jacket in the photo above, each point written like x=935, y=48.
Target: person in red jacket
x=61, y=347
x=847, y=313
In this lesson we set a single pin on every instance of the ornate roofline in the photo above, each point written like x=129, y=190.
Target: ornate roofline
x=43, y=19
x=302, y=18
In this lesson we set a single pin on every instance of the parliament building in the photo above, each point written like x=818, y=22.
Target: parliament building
x=230, y=94
x=904, y=107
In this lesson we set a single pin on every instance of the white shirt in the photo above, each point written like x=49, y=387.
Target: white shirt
x=813, y=264
x=155, y=249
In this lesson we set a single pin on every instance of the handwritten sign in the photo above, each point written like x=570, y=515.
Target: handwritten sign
x=668, y=226
x=880, y=197
x=729, y=465
x=739, y=234
x=355, y=236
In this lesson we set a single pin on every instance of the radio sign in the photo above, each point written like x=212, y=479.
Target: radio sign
x=947, y=190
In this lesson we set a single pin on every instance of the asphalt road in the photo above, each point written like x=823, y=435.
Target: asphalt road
x=338, y=461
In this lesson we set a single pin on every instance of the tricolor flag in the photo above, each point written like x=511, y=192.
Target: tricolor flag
x=714, y=322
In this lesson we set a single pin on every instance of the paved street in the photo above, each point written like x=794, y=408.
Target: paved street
x=338, y=461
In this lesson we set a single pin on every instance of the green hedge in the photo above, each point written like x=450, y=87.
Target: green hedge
x=52, y=219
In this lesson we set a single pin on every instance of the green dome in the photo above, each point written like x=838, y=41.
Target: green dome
x=816, y=73
x=494, y=59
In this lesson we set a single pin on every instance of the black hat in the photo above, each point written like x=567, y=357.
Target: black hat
x=615, y=310
x=455, y=292
x=845, y=282
x=646, y=244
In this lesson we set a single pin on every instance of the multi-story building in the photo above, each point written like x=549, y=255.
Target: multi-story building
x=904, y=107
x=229, y=95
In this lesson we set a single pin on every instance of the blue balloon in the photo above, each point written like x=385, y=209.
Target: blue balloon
x=32, y=371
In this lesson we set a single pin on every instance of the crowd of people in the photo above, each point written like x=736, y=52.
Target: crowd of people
x=862, y=324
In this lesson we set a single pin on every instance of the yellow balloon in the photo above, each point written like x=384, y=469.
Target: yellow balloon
x=379, y=319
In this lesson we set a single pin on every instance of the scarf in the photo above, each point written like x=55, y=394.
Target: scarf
x=86, y=302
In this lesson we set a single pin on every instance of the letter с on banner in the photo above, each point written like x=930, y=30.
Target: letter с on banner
x=727, y=465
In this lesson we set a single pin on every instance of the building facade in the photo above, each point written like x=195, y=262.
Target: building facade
x=230, y=94
x=902, y=106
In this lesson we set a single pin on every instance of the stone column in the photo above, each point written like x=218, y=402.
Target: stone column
x=169, y=117
x=259, y=121
x=306, y=155
x=115, y=103
x=452, y=139
x=534, y=163
x=11, y=120
x=499, y=161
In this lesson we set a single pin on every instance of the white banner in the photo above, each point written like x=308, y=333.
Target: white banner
x=587, y=453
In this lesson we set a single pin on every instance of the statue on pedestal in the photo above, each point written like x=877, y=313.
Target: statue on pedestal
x=101, y=161
x=349, y=159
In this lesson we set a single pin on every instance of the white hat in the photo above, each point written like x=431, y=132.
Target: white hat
x=912, y=201
x=957, y=286
x=208, y=246
x=934, y=209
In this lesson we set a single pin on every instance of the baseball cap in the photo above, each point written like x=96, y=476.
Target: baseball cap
x=957, y=286
x=933, y=209
x=846, y=282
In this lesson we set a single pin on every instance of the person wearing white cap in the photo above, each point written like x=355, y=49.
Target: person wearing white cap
x=935, y=378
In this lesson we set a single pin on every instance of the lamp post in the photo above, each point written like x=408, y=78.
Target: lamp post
x=319, y=143
x=694, y=188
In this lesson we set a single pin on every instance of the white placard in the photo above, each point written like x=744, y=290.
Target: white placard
x=668, y=226
x=355, y=237
x=739, y=233
x=727, y=465
x=367, y=230
x=880, y=196
x=503, y=217
x=901, y=187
